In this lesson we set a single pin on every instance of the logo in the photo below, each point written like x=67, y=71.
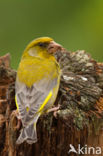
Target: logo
x=85, y=150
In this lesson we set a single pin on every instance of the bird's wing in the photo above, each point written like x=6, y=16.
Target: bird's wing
x=31, y=101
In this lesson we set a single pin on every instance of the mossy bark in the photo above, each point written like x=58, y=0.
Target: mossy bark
x=79, y=120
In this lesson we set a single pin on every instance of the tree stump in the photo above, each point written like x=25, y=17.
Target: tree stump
x=79, y=121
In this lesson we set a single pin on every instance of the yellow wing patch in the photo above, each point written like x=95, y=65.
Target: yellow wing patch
x=16, y=103
x=42, y=106
x=46, y=100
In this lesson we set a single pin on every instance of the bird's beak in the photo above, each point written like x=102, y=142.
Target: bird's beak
x=54, y=47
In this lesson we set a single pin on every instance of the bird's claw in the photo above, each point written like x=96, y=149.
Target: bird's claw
x=54, y=110
x=14, y=115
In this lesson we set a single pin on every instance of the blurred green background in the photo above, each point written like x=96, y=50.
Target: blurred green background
x=74, y=24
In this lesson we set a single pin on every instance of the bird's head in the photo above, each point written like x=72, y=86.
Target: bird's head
x=43, y=47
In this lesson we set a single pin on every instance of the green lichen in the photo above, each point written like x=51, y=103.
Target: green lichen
x=81, y=87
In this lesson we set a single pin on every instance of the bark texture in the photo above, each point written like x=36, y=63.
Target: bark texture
x=79, y=120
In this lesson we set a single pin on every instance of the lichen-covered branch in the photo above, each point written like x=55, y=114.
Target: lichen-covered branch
x=81, y=108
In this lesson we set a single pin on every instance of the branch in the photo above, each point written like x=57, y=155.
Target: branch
x=81, y=108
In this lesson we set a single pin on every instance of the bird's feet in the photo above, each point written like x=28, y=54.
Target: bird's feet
x=14, y=115
x=54, y=110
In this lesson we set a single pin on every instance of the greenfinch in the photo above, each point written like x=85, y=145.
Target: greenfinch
x=37, y=83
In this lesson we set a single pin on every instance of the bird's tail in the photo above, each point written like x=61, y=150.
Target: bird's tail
x=28, y=134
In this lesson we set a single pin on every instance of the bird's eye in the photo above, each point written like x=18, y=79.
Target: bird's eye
x=42, y=44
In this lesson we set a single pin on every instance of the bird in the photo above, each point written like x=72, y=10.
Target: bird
x=37, y=84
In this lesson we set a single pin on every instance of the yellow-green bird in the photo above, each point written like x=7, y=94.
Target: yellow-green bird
x=37, y=84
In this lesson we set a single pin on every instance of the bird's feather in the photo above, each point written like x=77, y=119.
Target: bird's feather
x=34, y=98
x=37, y=85
x=35, y=69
